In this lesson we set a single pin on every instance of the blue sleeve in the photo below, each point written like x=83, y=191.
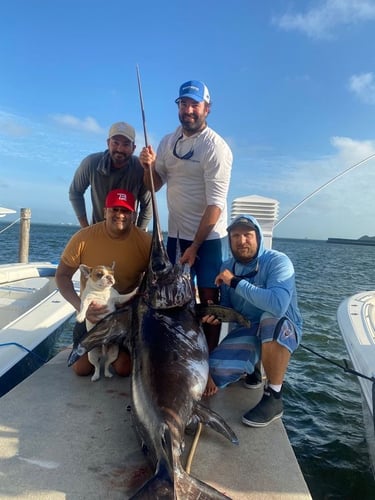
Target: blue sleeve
x=274, y=290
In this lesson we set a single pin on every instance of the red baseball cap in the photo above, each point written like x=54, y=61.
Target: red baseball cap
x=120, y=198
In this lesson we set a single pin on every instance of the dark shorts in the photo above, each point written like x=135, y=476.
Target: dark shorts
x=208, y=262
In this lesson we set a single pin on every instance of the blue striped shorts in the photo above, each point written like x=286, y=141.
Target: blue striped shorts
x=239, y=352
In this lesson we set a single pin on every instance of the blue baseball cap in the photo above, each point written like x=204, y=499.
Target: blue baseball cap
x=196, y=90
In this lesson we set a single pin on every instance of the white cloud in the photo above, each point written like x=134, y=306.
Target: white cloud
x=322, y=189
x=87, y=124
x=351, y=150
x=319, y=22
x=363, y=86
x=13, y=125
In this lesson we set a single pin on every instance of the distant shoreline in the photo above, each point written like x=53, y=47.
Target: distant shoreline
x=364, y=240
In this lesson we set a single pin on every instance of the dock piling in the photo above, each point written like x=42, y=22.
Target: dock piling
x=25, y=220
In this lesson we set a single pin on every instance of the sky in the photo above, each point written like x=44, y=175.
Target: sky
x=292, y=84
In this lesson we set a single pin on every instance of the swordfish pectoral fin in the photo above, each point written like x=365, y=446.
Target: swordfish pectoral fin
x=113, y=329
x=224, y=314
x=77, y=352
x=212, y=419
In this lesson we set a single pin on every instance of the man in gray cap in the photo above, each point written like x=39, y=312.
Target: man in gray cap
x=115, y=168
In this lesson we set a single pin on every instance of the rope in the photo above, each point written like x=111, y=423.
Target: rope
x=10, y=225
x=25, y=348
x=351, y=371
x=193, y=448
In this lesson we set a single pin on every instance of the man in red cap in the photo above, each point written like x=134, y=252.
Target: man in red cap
x=118, y=240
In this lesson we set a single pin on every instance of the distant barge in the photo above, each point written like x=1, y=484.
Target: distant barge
x=364, y=240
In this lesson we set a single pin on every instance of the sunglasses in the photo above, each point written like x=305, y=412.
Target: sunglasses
x=120, y=210
x=248, y=275
x=186, y=156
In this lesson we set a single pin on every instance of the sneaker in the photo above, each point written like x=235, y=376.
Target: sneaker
x=266, y=411
x=253, y=380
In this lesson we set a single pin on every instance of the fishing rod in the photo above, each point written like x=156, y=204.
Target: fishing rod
x=341, y=174
x=142, y=106
x=154, y=206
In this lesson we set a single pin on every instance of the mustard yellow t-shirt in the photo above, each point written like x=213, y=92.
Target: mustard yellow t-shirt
x=93, y=246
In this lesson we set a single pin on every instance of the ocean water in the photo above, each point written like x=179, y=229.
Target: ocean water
x=323, y=412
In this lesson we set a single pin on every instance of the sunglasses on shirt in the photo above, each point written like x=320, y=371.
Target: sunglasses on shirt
x=187, y=155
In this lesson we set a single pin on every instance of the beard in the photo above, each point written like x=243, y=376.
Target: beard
x=192, y=123
x=245, y=256
x=119, y=159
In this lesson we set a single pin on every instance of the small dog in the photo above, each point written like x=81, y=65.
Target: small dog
x=99, y=288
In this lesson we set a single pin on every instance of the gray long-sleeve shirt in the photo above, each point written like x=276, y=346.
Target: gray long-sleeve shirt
x=96, y=171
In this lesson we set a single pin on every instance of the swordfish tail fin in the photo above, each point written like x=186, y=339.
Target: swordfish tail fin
x=191, y=488
x=159, y=486
x=184, y=487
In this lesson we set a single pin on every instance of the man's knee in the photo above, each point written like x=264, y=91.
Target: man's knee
x=123, y=364
x=82, y=367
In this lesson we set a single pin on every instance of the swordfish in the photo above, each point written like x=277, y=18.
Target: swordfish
x=161, y=327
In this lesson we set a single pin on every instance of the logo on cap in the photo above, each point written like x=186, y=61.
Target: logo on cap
x=195, y=90
x=120, y=198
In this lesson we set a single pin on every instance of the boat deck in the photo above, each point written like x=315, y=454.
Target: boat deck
x=65, y=437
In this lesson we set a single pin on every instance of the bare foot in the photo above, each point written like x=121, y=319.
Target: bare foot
x=211, y=387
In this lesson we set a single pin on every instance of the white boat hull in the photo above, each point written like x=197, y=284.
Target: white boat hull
x=356, y=320
x=32, y=310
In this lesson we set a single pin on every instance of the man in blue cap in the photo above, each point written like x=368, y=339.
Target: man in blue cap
x=195, y=163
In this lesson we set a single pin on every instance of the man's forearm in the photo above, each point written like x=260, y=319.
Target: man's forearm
x=209, y=219
x=83, y=222
x=67, y=290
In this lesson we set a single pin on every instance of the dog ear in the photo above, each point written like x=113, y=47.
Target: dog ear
x=113, y=265
x=85, y=270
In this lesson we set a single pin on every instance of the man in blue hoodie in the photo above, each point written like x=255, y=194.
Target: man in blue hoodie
x=259, y=283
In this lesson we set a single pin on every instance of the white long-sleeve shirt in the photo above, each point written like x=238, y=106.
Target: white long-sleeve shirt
x=193, y=183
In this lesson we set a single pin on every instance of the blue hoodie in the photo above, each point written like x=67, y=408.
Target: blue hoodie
x=271, y=290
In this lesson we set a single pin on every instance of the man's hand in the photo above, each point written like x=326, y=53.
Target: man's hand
x=211, y=319
x=224, y=277
x=96, y=311
x=189, y=256
x=147, y=157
